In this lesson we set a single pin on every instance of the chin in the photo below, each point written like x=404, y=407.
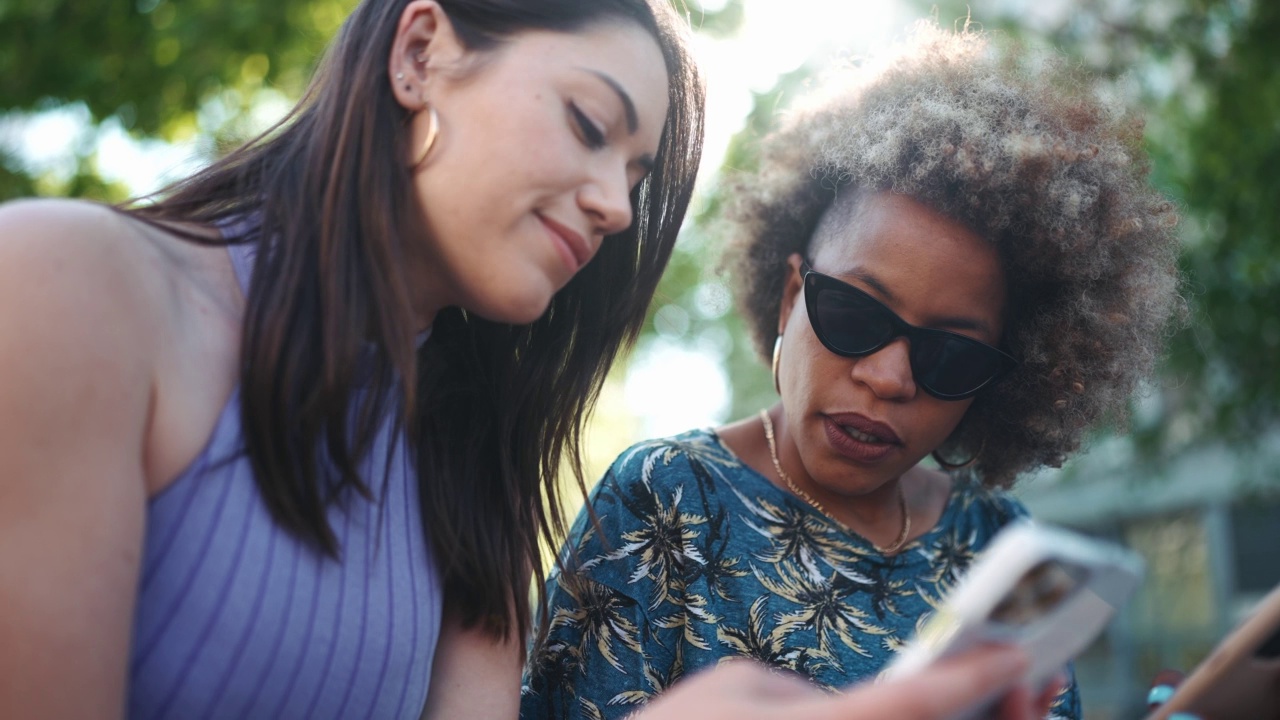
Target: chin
x=527, y=314
x=516, y=308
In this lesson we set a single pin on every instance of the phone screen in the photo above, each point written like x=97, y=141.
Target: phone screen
x=1039, y=592
x=1048, y=590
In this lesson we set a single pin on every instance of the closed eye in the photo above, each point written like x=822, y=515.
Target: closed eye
x=592, y=136
x=644, y=167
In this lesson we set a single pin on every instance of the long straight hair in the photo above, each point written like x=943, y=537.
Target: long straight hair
x=491, y=411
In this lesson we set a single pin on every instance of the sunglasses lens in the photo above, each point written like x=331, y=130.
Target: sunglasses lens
x=851, y=323
x=950, y=366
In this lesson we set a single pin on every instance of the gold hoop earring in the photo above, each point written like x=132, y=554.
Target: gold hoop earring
x=777, y=357
x=433, y=128
x=952, y=467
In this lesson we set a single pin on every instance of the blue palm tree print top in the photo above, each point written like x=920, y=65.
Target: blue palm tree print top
x=698, y=558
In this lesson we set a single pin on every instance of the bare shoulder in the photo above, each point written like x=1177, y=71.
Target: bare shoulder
x=71, y=243
x=78, y=312
x=138, y=304
x=54, y=217
x=77, y=348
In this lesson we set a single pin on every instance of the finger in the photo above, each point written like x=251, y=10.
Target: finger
x=776, y=686
x=939, y=691
x=737, y=689
x=1162, y=687
x=1051, y=692
x=1017, y=705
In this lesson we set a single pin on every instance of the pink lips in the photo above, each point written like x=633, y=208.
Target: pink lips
x=573, y=247
x=855, y=449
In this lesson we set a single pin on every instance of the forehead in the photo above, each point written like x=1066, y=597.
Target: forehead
x=926, y=260
x=622, y=51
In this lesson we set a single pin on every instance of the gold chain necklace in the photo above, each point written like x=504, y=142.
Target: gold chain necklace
x=902, y=498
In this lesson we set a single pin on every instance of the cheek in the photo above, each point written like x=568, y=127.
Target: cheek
x=511, y=176
x=809, y=365
x=939, y=418
x=462, y=191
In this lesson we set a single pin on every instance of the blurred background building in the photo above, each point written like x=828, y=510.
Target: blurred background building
x=1208, y=526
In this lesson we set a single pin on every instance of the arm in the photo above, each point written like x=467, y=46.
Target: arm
x=601, y=655
x=474, y=675
x=743, y=690
x=75, y=391
x=591, y=663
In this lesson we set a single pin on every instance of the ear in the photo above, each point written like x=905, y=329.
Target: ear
x=791, y=288
x=424, y=42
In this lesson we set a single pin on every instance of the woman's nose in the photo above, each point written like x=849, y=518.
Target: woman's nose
x=606, y=199
x=887, y=371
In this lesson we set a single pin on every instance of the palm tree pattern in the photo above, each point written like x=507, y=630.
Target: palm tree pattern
x=697, y=558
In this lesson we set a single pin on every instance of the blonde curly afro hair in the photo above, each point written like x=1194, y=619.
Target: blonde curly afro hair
x=1026, y=152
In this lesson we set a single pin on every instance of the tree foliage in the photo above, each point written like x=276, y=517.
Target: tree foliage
x=1203, y=75
x=151, y=66
x=152, y=62
x=695, y=293
x=170, y=71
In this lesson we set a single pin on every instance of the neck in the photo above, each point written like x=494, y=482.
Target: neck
x=875, y=513
x=879, y=508
x=427, y=288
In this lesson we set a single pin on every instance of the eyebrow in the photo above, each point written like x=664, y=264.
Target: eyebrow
x=942, y=323
x=628, y=107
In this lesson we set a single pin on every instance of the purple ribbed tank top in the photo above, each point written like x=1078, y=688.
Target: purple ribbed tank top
x=236, y=618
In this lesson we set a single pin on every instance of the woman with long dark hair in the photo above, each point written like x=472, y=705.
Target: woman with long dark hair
x=288, y=412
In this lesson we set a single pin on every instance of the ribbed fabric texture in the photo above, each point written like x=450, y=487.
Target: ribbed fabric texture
x=236, y=618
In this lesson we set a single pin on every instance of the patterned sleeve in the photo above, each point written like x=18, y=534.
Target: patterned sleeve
x=1004, y=508
x=606, y=648
x=1066, y=706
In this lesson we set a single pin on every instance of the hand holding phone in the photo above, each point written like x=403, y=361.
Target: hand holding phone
x=1240, y=679
x=1048, y=590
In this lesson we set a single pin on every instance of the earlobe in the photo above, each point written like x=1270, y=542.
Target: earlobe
x=424, y=40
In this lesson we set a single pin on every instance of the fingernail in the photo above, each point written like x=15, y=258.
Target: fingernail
x=1159, y=695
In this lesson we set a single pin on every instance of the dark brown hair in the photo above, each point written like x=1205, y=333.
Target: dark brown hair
x=1027, y=152
x=494, y=409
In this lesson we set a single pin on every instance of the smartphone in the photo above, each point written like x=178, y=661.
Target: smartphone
x=1047, y=589
x=1241, y=677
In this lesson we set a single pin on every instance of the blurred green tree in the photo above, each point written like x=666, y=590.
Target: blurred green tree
x=1203, y=73
x=149, y=66
x=170, y=71
x=694, y=304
